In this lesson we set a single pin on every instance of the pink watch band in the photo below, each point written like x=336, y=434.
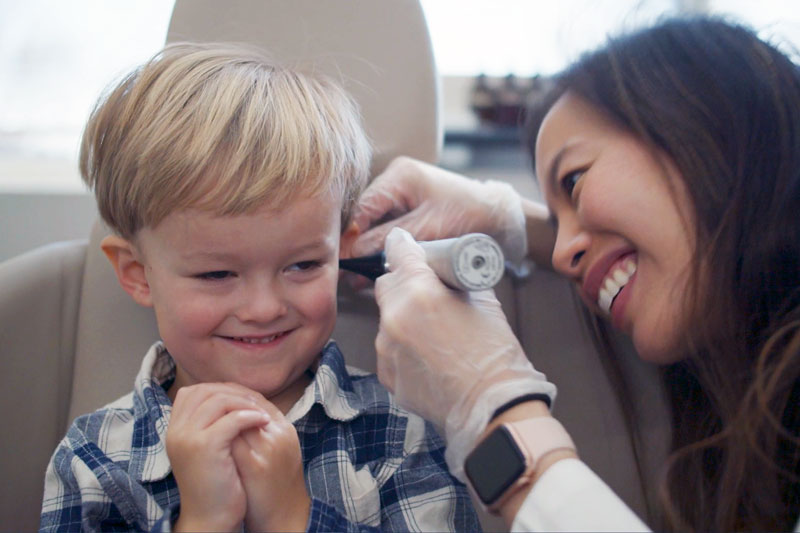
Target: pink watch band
x=535, y=437
x=539, y=436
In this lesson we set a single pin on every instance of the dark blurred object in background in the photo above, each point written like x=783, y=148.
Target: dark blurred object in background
x=501, y=102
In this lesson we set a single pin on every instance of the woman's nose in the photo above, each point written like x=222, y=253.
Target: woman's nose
x=570, y=248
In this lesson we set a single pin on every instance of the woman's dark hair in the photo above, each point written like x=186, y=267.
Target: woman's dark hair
x=725, y=107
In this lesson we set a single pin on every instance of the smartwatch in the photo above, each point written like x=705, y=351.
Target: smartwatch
x=505, y=461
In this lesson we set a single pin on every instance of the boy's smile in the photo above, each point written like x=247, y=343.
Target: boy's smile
x=247, y=298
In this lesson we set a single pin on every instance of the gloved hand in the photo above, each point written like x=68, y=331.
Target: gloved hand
x=433, y=203
x=447, y=355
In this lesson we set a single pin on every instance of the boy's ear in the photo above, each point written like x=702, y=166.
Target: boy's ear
x=347, y=239
x=129, y=269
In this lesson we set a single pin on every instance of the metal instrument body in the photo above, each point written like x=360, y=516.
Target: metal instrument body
x=472, y=262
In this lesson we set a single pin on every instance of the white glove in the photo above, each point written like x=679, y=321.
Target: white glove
x=433, y=203
x=447, y=355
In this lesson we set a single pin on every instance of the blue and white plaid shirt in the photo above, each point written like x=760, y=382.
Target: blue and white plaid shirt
x=368, y=464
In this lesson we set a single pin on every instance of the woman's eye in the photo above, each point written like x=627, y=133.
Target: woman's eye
x=215, y=275
x=570, y=181
x=304, y=266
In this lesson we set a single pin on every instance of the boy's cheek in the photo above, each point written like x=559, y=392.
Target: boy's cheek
x=192, y=313
x=320, y=301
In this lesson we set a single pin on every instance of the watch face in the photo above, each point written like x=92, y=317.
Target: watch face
x=494, y=465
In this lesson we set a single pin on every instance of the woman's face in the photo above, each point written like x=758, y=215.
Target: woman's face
x=623, y=232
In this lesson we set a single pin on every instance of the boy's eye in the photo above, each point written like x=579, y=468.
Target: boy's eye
x=570, y=181
x=304, y=266
x=215, y=275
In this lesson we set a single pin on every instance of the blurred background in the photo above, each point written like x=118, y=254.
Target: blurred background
x=56, y=58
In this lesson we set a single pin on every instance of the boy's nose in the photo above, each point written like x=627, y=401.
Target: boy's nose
x=261, y=303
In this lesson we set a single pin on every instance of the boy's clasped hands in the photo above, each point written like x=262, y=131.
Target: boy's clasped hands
x=235, y=458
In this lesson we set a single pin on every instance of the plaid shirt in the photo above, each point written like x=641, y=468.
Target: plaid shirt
x=368, y=464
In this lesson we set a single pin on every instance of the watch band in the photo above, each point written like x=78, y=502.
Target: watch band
x=535, y=438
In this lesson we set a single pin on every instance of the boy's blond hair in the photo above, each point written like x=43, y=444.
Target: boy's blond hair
x=219, y=127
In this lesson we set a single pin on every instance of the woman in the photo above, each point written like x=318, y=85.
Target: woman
x=670, y=163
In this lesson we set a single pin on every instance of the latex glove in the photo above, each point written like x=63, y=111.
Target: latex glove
x=270, y=466
x=449, y=356
x=204, y=422
x=433, y=203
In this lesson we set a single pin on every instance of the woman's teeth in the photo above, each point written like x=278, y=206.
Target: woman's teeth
x=614, y=283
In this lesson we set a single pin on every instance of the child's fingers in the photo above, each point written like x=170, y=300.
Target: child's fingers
x=243, y=456
x=275, y=441
x=191, y=398
x=201, y=391
x=270, y=466
x=220, y=404
x=258, y=439
x=246, y=451
x=278, y=429
x=241, y=390
x=227, y=428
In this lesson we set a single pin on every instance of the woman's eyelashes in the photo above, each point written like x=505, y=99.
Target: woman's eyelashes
x=570, y=181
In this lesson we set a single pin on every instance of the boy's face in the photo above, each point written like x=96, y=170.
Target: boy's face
x=250, y=298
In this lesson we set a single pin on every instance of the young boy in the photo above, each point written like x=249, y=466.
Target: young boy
x=227, y=181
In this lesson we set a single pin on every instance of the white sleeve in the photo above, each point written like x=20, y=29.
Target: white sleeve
x=570, y=497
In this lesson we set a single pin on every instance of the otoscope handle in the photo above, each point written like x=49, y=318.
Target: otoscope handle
x=472, y=262
x=369, y=266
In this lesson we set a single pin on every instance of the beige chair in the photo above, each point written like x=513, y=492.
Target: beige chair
x=72, y=340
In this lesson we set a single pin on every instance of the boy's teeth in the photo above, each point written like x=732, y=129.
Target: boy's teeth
x=262, y=340
x=613, y=284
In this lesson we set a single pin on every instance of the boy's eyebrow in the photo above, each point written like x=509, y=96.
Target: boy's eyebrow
x=207, y=254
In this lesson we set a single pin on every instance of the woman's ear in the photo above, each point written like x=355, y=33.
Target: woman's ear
x=349, y=236
x=129, y=269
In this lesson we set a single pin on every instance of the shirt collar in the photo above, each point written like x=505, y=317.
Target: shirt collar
x=332, y=388
x=151, y=410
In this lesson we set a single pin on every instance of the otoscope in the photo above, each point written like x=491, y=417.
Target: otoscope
x=472, y=262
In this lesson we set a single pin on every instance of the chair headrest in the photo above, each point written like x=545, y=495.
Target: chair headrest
x=379, y=51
